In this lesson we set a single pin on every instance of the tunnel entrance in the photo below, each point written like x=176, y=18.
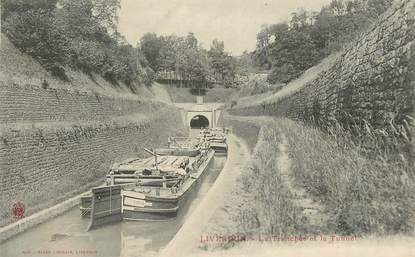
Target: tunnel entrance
x=199, y=121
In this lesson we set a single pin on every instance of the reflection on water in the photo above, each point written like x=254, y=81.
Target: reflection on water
x=66, y=236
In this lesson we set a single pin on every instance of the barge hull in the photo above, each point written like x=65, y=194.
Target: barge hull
x=159, y=208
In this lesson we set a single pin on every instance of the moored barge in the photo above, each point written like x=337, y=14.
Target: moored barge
x=147, y=189
x=217, y=138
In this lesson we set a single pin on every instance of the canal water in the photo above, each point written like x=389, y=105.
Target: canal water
x=65, y=235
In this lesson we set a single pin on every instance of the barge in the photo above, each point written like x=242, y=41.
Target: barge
x=217, y=138
x=147, y=189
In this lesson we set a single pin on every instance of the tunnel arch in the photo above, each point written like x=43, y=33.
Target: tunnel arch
x=199, y=121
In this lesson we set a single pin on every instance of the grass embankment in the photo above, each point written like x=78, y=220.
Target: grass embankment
x=278, y=92
x=266, y=206
x=19, y=68
x=216, y=94
x=361, y=195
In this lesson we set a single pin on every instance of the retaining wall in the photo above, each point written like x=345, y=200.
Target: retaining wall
x=371, y=82
x=31, y=103
x=45, y=164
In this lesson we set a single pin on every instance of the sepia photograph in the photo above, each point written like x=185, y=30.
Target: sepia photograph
x=207, y=128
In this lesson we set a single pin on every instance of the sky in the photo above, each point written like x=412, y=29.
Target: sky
x=236, y=22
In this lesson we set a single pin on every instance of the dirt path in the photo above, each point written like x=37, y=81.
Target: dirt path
x=312, y=210
x=283, y=160
x=188, y=237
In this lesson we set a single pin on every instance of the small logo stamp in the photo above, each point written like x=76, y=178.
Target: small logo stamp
x=18, y=210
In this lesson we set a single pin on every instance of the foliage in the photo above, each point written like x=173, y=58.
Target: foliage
x=244, y=63
x=12, y=6
x=273, y=207
x=79, y=34
x=180, y=55
x=361, y=195
x=288, y=49
x=184, y=59
x=223, y=65
x=149, y=77
x=258, y=85
x=151, y=45
x=39, y=36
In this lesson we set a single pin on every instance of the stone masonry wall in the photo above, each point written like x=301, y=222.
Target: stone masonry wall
x=372, y=82
x=43, y=165
x=31, y=103
x=55, y=143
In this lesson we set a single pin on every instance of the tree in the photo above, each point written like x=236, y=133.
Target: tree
x=150, y=46
x=106, y=12
x=377, y=7
x=261, y=53
x=288, y=50
x=276, y=30
x=36, y=34
x=295, y=50
x=244, y=64
x=21, y=6
x=191, y=40
x=263, y=37
x=193, y=64
x=80, y=34
x=98, y=13
x=168, y=52
x=217, y=48
x=223, y=65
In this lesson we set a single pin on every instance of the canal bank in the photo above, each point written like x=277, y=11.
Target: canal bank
x=26, y=223
x=65, y=235
x=188, y=237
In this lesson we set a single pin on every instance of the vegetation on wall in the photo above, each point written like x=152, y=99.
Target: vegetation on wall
x=287, y=49
x=360, y=195
x=78, y=34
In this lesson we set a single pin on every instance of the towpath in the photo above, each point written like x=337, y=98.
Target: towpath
x=397, y=245
x=188, y=237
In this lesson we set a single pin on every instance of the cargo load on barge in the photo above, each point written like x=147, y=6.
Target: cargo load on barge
x=217, y=138
x=151, y=188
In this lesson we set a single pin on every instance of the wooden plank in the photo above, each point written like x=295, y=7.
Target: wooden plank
x=134, y=202
x=134, y=194
x=175, y=159
x=148, y=160
x=106, y=206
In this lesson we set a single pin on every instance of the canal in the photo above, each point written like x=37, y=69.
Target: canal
x=65, y=235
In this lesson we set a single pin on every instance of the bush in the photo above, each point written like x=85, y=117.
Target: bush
x=74, y=36
x=88, y=56
x=308, y=37
x=36, y=34
x=284, y=74
x=12, y=6
x=259, y=84
x=149, y=76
